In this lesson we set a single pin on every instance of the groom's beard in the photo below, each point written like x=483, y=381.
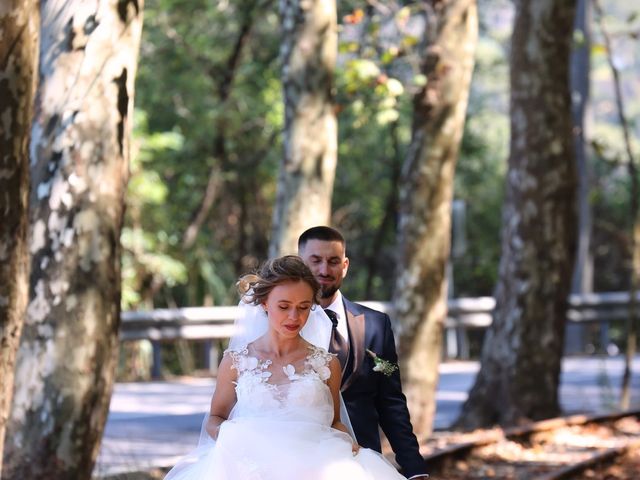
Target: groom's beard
x=328, y=291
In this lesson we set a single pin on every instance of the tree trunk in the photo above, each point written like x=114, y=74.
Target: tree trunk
x=80, y=152
x=580, y=73
x=19, y=30
x=307, y=172
x=522, y=353
x=426, y=190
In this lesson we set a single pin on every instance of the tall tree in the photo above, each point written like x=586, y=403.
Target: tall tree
x=80, y=146
x=19, y=30
x=580, y=73
x=307, y=172
x=426, y=191
x=522, y=352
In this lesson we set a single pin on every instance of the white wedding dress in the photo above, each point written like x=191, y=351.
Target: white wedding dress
x=280, y=429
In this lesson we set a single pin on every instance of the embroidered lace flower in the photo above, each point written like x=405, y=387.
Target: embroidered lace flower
x=324, y=373
x=318, y=362
x=290, y=372
x=247, y=363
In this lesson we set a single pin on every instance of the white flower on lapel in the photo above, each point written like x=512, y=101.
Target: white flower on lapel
x=381, y=365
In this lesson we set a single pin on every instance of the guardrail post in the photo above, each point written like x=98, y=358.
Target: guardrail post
x=212, y=354
x=463, y=343
x=451, y=343
x=156, y=365
x=574, y=342
x=207, y=345
x=605, y=339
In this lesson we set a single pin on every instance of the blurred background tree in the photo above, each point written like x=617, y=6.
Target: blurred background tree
x=308, y=51
x=539, y=228
x=426, y=193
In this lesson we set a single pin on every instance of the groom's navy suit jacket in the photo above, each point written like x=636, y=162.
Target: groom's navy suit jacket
x=373, y=398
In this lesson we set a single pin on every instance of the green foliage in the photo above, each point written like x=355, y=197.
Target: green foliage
x=146, y=237
x=201, y=117
x=480, y=172
x=479, y=183
x=375, y=82
x=185, y=53
x=187, y=130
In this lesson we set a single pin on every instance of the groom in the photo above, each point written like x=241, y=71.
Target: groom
x=372, y=398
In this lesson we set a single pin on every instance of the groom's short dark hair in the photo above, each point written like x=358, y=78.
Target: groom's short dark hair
x=323, y=233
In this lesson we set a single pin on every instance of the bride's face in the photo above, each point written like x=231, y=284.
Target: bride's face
x=288, y=306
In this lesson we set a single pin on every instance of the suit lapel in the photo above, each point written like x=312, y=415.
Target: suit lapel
x=355, y=323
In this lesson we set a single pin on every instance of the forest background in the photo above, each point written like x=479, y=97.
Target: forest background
x=185, y=89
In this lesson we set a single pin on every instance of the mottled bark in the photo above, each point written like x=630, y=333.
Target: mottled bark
x=80, y=152
x=19, y=30
x=426, y=190
x=307, y=172
x=522, y=353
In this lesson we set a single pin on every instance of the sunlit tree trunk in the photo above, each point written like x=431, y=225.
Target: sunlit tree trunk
x=521, y=357
x=80, y=148
x=305, y=182
x=426, y=189
x=19, y=30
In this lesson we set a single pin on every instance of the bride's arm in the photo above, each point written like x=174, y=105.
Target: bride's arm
x=334, y=385
x=224, y=397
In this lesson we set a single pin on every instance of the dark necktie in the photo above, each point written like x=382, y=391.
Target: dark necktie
x=338, y=344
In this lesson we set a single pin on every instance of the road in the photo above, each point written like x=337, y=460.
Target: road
x=155, y=423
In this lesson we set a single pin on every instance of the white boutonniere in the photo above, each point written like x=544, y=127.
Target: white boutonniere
x=381, y=365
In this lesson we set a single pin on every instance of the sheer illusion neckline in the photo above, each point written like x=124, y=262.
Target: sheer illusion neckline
x=290, y=371
x=314, y=365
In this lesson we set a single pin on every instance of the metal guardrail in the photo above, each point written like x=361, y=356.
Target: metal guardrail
x=195, y=323
x=217, y=322
x=464, y=314
x=202, y=323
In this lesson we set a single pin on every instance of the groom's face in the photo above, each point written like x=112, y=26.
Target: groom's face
x=328, y=263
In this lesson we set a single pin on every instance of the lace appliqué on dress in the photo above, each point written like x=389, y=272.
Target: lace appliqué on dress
x=252, y=382
x=317, y=363
x=243, y=362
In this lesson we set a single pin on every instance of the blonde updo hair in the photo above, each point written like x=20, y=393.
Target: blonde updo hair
x=256, y=287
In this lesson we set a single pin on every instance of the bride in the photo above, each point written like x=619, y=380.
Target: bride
x=275, y=412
